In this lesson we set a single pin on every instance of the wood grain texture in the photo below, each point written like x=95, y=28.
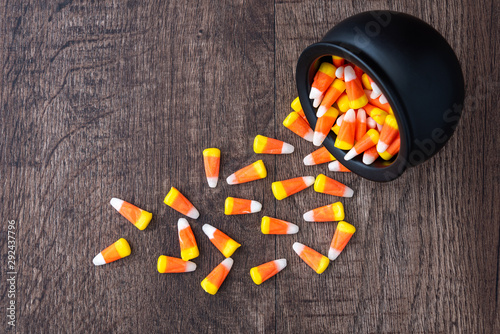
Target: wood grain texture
x=118, y=99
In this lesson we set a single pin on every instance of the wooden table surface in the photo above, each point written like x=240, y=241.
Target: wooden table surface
x=103, y=99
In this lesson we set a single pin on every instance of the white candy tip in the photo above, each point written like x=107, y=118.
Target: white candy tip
x=287, y=148
x=255, y=206
x=209, y=230
x=351, y=154
x=98, y=260
x=212, y=182
x=317, y=101
x=193, y=213
x=309, y=216
x=368, y=159
x=349, y=74
x=333, y=166
x=292, y=229
x=231, y=179
x=190, y=266
x=350, y=116
x=182, y=223
x=228, y=263
x=348, y=192
x=321, y=111
x=381, y=147
x=383, y=99
x=309, y=180
x=315, y=93
x=333, y=254
x=309, y=136
x=308, y=160
x=280, y=264
x=116, y=203
x=339, y=73
x=298, y=247
x=318, y=138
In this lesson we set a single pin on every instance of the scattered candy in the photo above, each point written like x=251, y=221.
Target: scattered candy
x=332, y=94
x=240, y=206
x=313, y=259
x=211, y=159
x=169, y=265
x=271, y=225
x=368, y=141
x=266, y=145
x=342, y=235
x=336, y=166
x=322, y=80
x=267, y=270
x=116, y=251
x=326, y=185
x=320, y=156
x=327, y=213
x=214, y=280
x=252, y=172
x=225, y=244
x=324, y=125
x=189, y=248
x=299, y=126
x=178, y=202
x=136, y=216
x=283, y=189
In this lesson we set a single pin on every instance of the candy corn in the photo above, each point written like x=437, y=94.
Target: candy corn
x=370, y=155
x=225, y=244
x=211, y=159
x=317, y=101
x=324, y=125
x=380, y=102
x=266, y=145
x=376, y=113
x=189, y=248
x=239, y=206
x=389, y=132
x=283, y=189
x=342, y=235
x=271, y=225
x=326, y=185
x=116, y=251
x=322, y=80
x=327, y=213
x=336, y=166
x=354, y=90
x=332, y=94
x=168, y=265
x=366, y=81
x=337, y=61
x=370, y=123
x=178, y=202
x=345, y=138
x=369, y=140
x=136, y=216
x=303, y=115
x=392, y=149
x=320, y=156
x=343, y=103
x=296, y=106
x=360, y=124
x=313, y=259
x=267, y=270
x=214, y=280
x=299, y=126
x=339, y=72
x=252, y=172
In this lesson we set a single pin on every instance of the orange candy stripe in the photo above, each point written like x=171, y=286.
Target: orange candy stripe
x=111, y=254
x=130, y=211
x=186, y=238
x=212, y=165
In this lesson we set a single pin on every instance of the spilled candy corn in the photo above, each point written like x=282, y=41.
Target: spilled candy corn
x=368, y=141
x=327, y=213
x=267, y=270
x=336, y=166
x=116, y=251
x=240, y=206
x=225, y=244
x=252, y=172
x=285, y=188
x=178, y=202
x=271, y=225
x=320, y=156
x=170, y=265
x=331, y=96
x=266, y=145
x=342, y=235
x=326, y=185
x=313, y=259
x=299, y=126
x=322, y=80
x=214, y=280
x=189, y=248
x=211, y=160
x=136, y=216
x=324, y=125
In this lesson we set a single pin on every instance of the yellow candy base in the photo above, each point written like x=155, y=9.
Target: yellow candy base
x=264, y=226
x=338, y=211
x=228, y=205
x=209, y=287
x=162, y=264
x=296, y=106
x=323, y=264
x=346, y=227
x=343, y=103
x=358, y=103
x=259, y=143
x=260, y=168
x=254, y=273
x=278, y=190
x=319, y=184
x=386, y=155
x=290, y=119
x=144, y=220
x=230, y=248
x=190, y=253
x=171, y=196
x=343, y=145
x=123, y=248
x=211, y=152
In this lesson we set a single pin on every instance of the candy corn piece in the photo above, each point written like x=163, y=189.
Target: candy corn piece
x=267, y=270
x=225, y=244
x=354, y=90
x=271, y=225
x=342, y=235
x=303, y=115
x=336, y=129
x=343, y=103
x=345, y=138
x=377, y=114
x=320, y=156
x=189, y=248
x=296, y=106
x=324, y=125
x=337, y=61
x=360, y=124
x=389, y=132
x=336, y=166
x=370, y=155
x=332, y=94
x=392, y=149
x=327, y=213
x=116, y=251
x=240, y=206
x=369, y=140
x=285, y=188
x=322, y=80
x=339, y=72
x=299, y=126
x=214, y=280
x=211, y=159
x=136, y=216
x=370, y=123
x=178, y=202
x=255, y=171
x=266, y=145
x=359, y=72
x=317, y=101
x=326, y=185
x=380, y=102
x=313, y=259
x=366, y=81
x=169, y=265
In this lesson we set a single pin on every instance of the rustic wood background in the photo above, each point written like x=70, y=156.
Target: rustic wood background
x=102, y=99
